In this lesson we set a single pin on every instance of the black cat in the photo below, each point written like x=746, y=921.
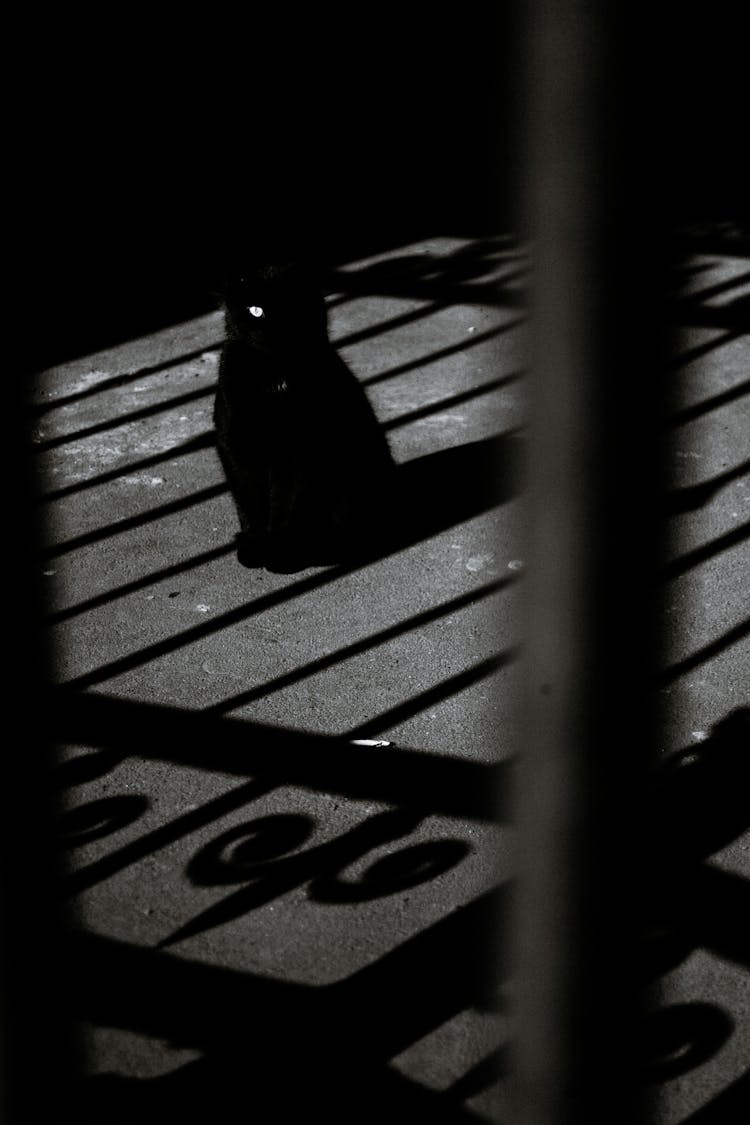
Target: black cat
x=304, y=456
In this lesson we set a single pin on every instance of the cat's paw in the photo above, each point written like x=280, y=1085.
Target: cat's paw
x=286, y=558
x=279, y=554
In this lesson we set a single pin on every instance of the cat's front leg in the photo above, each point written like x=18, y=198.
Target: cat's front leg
x=289, y=519
x=248, y=485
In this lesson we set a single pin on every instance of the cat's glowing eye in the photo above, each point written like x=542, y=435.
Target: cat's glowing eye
x=255, y=310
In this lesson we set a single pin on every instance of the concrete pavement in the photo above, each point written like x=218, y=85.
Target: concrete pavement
x=292, y=881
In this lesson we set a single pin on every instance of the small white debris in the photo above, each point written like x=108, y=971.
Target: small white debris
x=48, y=573
x=699, y=735
x=471, y=328
x=142, y=478
x=202, y=608
x=479, y=562
x=515, y=564
x=149, y=597
x=379, y=742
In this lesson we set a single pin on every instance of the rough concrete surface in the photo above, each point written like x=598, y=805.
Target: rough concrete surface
x=706, y=657
x=270, y=878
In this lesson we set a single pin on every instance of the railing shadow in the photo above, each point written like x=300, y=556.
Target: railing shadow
x=192, y=445
x=458, y=276
x=695, y=807
x=355, y=648
x=731, y=318
x=433, y=493
x=126, y=419
x=115, y=381
x=338, y=1040
x=287, y=1050
x=429, y=782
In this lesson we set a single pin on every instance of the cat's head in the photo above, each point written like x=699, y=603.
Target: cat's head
x=274, y=306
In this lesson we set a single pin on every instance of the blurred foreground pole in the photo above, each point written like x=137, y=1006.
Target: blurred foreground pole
x=37, y=1043
x=593, y=493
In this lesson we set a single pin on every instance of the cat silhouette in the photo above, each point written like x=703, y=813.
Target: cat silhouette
x=304, y=456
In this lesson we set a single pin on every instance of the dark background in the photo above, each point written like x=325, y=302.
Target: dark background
x=144, y=149
x=148, y=153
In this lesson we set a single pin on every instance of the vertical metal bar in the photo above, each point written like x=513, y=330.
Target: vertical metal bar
x=37, y=1042
x=592, y=530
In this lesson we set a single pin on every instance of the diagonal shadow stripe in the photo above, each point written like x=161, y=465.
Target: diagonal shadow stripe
x=124, y=379
x=140, y=583
x=691, y=299
x=196, y=632
x=703, y=349
x=707, y=551
x=436, y=491
x=452, y=400
x=203, y=441
x=393, y=322
x=322, y=763
x=454, y=684
x=126, y=419
x=128, y=524
x=689, y=413
x=357, y=647
x=696, y=495
x=340, y=1024
x=442, y=353
x=703, y=655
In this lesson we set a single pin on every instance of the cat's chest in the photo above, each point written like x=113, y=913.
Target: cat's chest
x=274, y=379
x=267, y=402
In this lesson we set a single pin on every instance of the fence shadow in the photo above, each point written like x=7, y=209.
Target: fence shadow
x=427, y=495
x=279, y=1048
x=285, y=1049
